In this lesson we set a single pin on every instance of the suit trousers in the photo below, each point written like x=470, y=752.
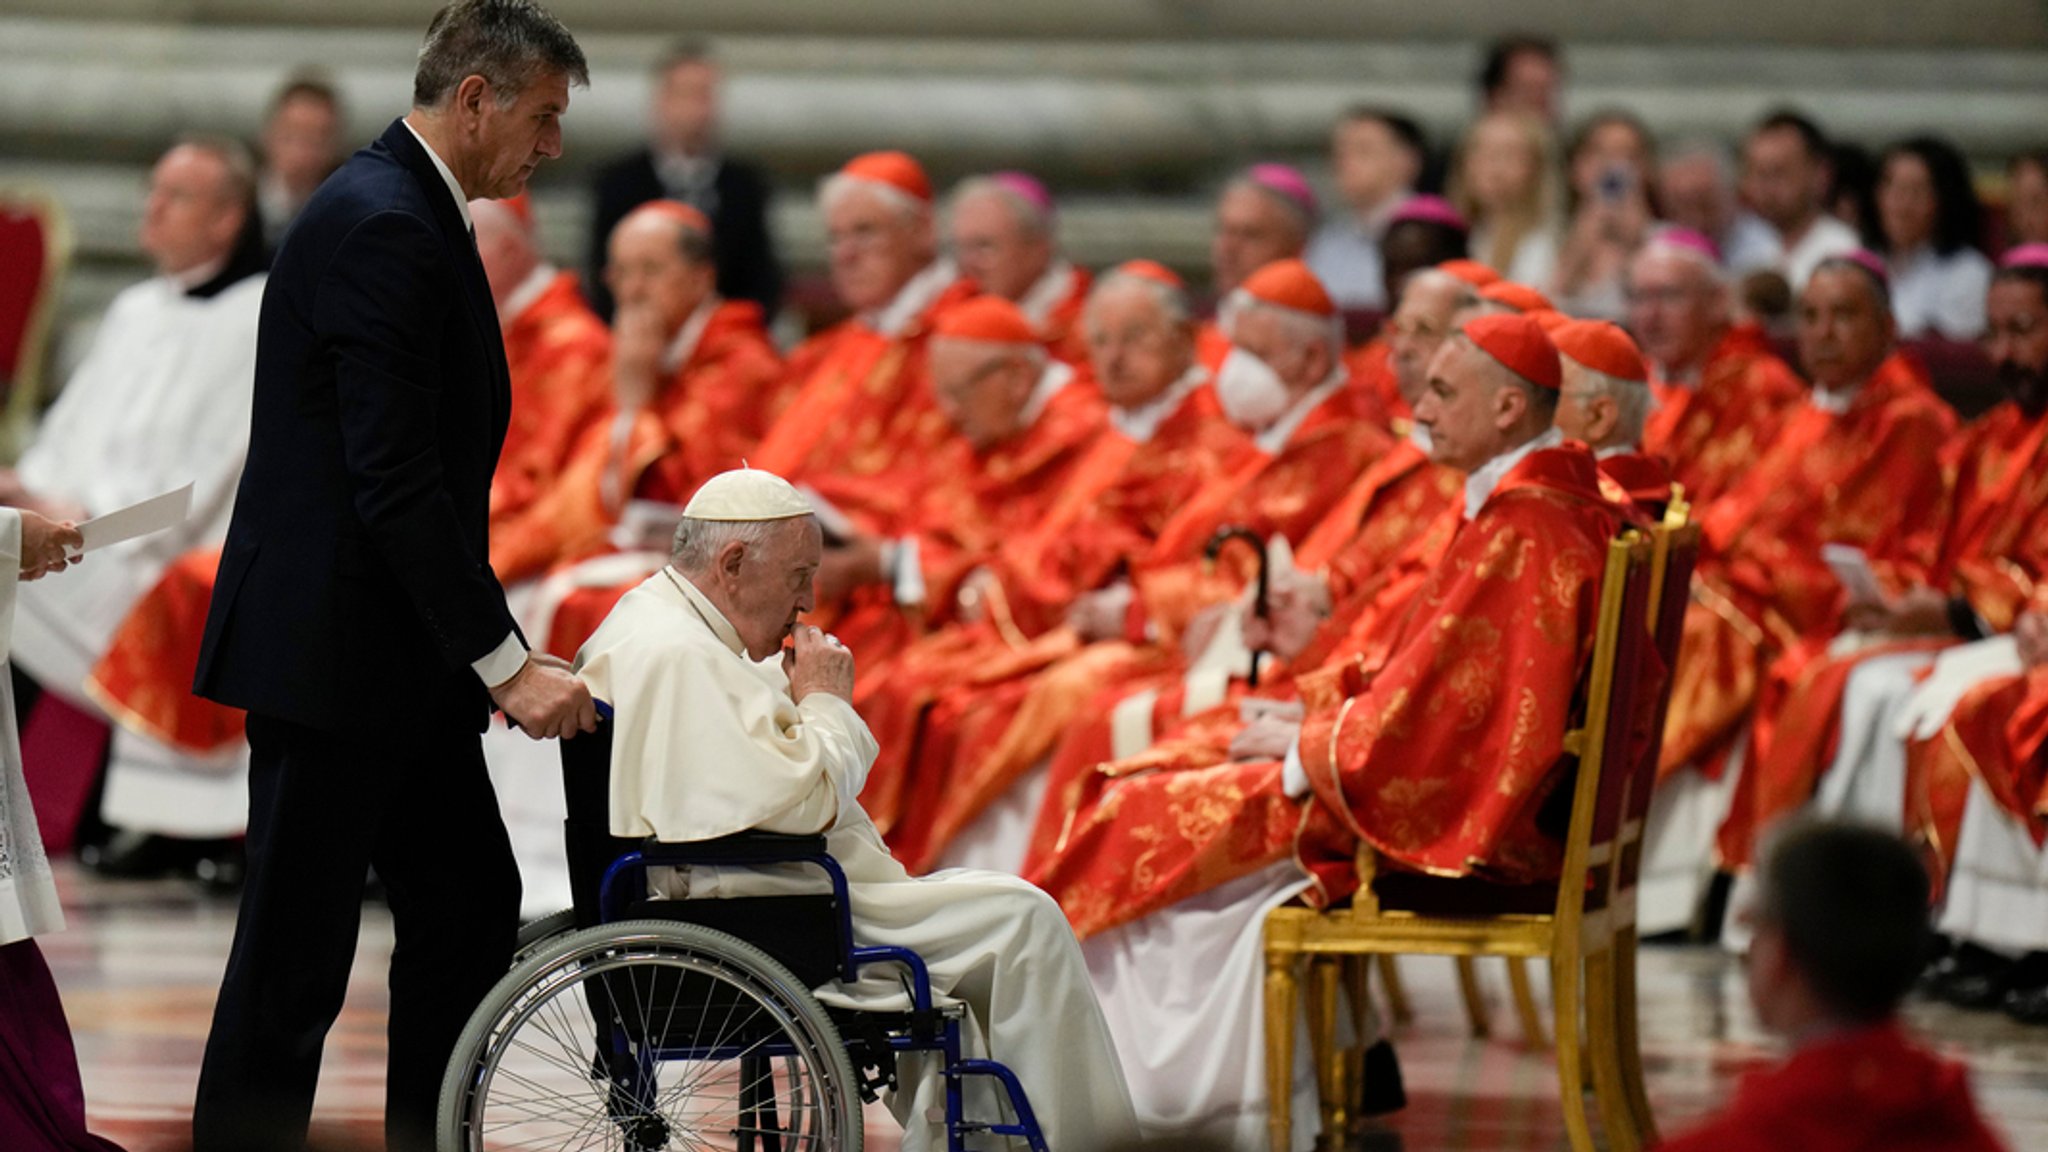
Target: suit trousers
x=409, y=796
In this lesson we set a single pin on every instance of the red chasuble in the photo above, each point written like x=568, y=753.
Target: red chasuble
x=1713, y=432
x=708, y=416
x=1869, y=477
x=1441, y=761
x=559, y=356
x=1990, y=547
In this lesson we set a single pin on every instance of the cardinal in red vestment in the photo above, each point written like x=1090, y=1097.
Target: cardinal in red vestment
x=1443, y=754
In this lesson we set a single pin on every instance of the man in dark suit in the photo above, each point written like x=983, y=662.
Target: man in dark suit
x=682, y=162
x=356, y=616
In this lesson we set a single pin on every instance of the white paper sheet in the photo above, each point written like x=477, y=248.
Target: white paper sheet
x=1852, y=567
x=152, y=515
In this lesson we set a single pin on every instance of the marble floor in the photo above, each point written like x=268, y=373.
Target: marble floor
x=140, y=963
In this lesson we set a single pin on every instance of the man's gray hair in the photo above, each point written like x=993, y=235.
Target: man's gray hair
x=1173, y=301
x=510, y=43
x=1307, y=327
x=1033, y=218
x=235, y=157
x=1631, y=401
x=697, y=543
x=840, y=185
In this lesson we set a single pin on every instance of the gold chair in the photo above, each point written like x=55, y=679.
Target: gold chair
x=35, y=254
x=1566, y=922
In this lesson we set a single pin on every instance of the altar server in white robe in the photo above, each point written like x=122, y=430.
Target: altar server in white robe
x=161, y=399
x=719, y=730
x=42, y=1103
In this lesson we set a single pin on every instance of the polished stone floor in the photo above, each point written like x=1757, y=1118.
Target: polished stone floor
x=139, y=966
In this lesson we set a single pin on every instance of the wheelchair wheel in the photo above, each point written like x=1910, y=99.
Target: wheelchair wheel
x=650, y=1034
x=535, y=933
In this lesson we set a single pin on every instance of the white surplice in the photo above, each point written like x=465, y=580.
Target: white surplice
x=708, y=742
x=28, y=894
x=161, y=399
x=1184, y=991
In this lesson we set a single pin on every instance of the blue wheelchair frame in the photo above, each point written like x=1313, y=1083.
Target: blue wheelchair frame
x=930, y=1030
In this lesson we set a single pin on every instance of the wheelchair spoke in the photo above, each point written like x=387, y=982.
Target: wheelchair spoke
x=574, y=1061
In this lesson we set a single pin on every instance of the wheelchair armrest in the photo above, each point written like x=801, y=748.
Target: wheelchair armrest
x=738, y=848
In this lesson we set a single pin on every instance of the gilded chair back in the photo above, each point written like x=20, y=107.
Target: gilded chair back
x=35, y=254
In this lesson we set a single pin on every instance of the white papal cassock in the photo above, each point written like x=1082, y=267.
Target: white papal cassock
x=708, y=742
x=161, y=399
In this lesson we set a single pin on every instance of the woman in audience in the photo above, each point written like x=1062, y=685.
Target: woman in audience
x=1612, y=157
x=1928, y=225
x=2026, y=199
x=1506, y=183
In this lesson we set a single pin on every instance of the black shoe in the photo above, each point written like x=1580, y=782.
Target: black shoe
x=1970, y=977
x=2028, y=1005
x=221, y=866
x=131, y=856
x=1381, y=1091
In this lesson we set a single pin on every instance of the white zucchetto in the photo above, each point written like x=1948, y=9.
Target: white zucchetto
x=747, y=494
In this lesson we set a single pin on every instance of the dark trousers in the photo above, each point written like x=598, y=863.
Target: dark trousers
x=410, y=796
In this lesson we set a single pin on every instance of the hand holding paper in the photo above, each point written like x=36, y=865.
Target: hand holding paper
x=152, y=515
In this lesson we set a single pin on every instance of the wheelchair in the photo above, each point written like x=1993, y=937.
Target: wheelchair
x=635, y=1024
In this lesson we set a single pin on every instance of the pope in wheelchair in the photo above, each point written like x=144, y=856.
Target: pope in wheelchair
x=720, y=739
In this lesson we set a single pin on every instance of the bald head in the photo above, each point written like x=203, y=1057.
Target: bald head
x=660, y=261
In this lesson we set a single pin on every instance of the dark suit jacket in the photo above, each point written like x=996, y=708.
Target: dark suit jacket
x=355, y=576
x=736, y=202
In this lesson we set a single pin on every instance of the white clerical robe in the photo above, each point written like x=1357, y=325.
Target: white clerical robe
x=162, y=398
x=28, y=894
x=708, y=742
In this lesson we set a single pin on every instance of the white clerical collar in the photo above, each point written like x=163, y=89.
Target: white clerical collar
x=1613, y=450
x=530, y=290
x=1142, y=422
x=684, y=346
x=682, y=170
x=913, y=298
x=196, y=275
x=447, y=177
x=694, y=598
x=1484, y=479
x=1048, y=293
x=1833, y=401
x=1273, y=437
x=1418, y=434
x=1055, y=377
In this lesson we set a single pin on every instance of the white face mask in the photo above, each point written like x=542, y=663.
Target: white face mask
x=1252, y=393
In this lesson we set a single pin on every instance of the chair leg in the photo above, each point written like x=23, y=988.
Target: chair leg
x=1603, y=1050
x=1571, y=1083
x=1357, y=972
x=1475, y=1003
x=1280, y=1009
x=1628, y=1038
x=1398, y=1005
x=1525, y=1002
x=1324, y=979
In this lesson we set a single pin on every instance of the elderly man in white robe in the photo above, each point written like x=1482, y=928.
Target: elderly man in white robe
x=161, y=400
x=719, y=730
